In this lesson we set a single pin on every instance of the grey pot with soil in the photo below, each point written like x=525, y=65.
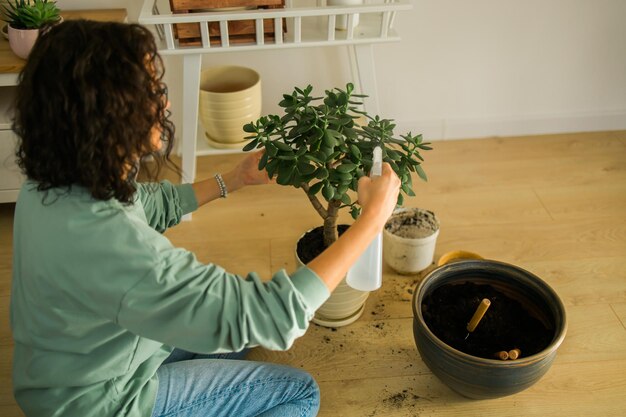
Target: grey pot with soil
x=409, y=240
x=525, y=317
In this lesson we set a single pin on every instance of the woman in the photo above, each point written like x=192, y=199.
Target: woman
x=105, y=310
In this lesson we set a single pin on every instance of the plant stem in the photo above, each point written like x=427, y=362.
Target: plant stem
x=315, y=202
x=330, y=223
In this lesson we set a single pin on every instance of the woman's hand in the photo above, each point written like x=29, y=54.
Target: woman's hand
x=378, y=196
x=247, y=171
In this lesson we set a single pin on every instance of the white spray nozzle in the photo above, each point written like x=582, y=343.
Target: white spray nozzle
x=377, y=165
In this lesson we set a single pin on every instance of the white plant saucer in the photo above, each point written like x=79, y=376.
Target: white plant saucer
x=339, y=322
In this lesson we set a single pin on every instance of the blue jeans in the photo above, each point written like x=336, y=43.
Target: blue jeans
x=194, y=385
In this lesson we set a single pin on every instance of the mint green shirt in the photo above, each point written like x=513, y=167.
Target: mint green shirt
x=100, y=297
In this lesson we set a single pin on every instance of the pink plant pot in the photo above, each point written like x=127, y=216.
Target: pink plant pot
x=21, y=41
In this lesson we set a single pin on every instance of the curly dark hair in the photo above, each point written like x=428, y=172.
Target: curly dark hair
x=87, y=101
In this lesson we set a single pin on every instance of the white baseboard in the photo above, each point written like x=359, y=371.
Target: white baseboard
x=514, y=126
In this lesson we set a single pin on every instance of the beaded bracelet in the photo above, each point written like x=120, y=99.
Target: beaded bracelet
x=222, y=185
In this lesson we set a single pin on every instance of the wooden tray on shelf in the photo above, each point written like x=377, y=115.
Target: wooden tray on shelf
x=239, y=31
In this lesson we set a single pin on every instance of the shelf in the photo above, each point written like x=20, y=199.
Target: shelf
x=203, y=148
x=306, y=26
x=8, y=94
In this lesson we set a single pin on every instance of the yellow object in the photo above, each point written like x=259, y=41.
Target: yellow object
x=457, y=255
x=514, y=354
x=478, y=314
x=502, y=355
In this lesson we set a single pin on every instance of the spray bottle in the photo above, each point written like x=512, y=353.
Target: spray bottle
x=367, y=272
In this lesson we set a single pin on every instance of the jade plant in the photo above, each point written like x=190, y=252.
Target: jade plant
x=31, y=14
x=323, y=145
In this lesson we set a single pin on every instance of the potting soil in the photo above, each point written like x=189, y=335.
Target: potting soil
x=312, y=243
x=505, y=326
x=413, y=224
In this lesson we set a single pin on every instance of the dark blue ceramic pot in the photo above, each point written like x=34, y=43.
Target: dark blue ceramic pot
x=480, y=378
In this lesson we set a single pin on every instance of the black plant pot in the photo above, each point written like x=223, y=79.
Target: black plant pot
x=476, y=377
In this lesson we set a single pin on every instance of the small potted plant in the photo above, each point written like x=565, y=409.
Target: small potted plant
x=26, y=18
x=321, y=146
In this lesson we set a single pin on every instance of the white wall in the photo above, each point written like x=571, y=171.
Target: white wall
x=467, y=68
x=507, y=67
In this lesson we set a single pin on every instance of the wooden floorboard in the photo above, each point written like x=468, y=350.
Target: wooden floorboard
x=565, y=390
x=553, y=204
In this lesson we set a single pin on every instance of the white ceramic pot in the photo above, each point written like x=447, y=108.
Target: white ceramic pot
x=410, y=249
x=344, y=306
x=21, y=41
x=341, y=22
x=230, y=97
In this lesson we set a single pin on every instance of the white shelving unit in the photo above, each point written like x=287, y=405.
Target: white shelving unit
x=306, y=27
x=10, y=176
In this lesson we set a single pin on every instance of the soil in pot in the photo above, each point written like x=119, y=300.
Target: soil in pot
x=506, y=325
x=312, y=243
x=413, y=225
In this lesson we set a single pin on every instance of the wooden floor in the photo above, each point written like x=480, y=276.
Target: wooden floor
x=555, y=205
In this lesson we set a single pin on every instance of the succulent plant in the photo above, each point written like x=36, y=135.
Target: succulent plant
x=31, y=14
x=321, y=145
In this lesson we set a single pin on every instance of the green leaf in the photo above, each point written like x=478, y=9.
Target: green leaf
x=319, y=156
x=316, y=134
x=315, y=188
x=282, y=146
x=329, y=139
x=305, y=168
x=355, y=211
x=313, y=158
x=346, y=167
x=249, y=128
x=421, y=173
x=285, y=174
x=346, y=120
x=355, y=151
x=287, y=101
x=271, y=167
x=393, y=155
x=328, y=192
x=301, y=151
x=342, y=189
x=327, y=153
x=342, y=99
x=250, y=145
x=331, y=99
x=343, y=177
x=334, y=155
x=263, y=161
x=271, y=149
x=400, y=200
x=345, y=199
x=407, y=190
x=322, y=173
